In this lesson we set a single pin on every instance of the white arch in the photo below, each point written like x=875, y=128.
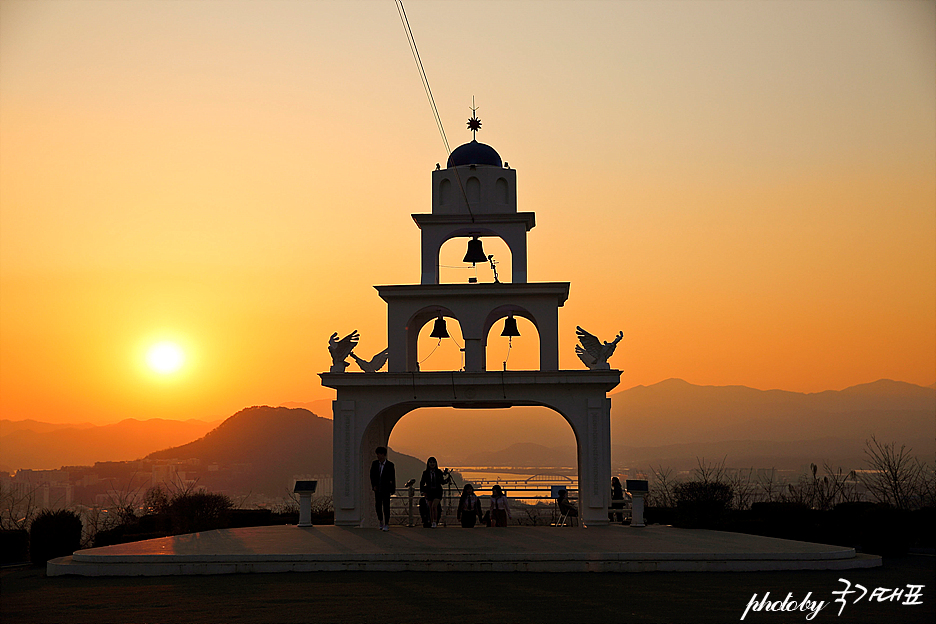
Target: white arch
x=369, y=406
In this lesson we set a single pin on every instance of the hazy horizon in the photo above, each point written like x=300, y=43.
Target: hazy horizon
x=672, y=422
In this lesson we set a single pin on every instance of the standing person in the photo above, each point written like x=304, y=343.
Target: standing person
x=617, y=500
x=500, y=510
x=469, y=507
x=430, y=486
x=383, y=482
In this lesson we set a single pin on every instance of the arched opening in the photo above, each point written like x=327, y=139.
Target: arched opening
x=440, y=354
x=517, y=353
x=524, y=449
x=453, y=271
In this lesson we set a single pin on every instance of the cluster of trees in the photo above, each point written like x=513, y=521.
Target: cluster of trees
x=31, y=533
x=885, y=509
x=893, y=477
x=894, y=494
x=50, y=533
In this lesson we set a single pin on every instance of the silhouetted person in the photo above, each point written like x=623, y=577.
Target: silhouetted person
x=500, y=510
x=383, y=482
x=430, y=486
x=565, y=505
x=617, y=494
x=469, y=507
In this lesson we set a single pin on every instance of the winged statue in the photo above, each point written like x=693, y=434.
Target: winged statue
x=340, y=349
x=374, y=364
x=593, y=352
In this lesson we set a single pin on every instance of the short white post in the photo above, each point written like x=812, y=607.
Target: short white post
x=305, y=489
x=305, y=509
x=638, y=488
x=637, y=519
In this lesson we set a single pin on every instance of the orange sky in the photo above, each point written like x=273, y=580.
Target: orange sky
x=747, y=190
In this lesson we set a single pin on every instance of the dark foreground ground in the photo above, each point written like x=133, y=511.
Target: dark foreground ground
x=27, y=595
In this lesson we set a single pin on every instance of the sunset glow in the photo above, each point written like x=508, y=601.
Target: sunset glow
x=745, y=189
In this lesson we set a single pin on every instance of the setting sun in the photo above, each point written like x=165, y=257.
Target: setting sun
x=165, y=357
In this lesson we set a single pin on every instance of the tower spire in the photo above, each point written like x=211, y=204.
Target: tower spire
x=474, y=124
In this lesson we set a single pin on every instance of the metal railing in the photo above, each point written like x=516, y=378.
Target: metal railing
x=404, y=505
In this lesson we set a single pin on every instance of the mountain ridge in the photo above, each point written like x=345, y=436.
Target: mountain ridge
x=667, y=414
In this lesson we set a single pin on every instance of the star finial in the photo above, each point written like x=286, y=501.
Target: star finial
x=474, y=124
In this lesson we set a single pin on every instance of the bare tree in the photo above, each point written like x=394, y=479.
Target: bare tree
x=743, y=486
x=661, y=493
x=770, y=490
x=894, y=477
x=710, y=473
x=802, y=492
x=18, y=506
x=834, y=487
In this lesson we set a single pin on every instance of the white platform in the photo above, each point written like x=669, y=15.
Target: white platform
x=522, y=549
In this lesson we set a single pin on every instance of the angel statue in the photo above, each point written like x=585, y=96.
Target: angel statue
x=375, y=363
x=340, y=349
x=594, y=353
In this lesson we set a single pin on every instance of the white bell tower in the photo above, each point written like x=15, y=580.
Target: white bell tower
x=473, y=197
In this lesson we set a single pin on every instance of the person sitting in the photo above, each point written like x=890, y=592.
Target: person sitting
x=469, y=507
x=566, y=508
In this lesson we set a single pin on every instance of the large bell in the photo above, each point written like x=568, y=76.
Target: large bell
x=439, y=330
x=510, y=327
x=475, y=252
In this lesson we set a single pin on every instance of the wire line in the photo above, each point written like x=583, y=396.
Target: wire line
x=435, y=110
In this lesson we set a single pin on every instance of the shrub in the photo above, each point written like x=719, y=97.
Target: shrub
x=54, y=534
x=702, y=504
x=203, y=511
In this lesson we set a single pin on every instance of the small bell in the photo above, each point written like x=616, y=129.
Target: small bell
x=510, y=327
x=439, y=330
x=475, y=252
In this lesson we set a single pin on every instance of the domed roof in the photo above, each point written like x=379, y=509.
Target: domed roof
x=474, y=153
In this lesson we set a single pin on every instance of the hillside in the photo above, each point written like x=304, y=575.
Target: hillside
x=267, y=446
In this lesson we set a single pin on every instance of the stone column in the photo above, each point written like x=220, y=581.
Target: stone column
x=595, y=463
x=345, y=445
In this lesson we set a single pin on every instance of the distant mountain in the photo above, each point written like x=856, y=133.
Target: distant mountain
x=11, y=426
x=675, y=419
x=46, y=446
x=270, y=444
x=671, y=422
x=677, y=412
